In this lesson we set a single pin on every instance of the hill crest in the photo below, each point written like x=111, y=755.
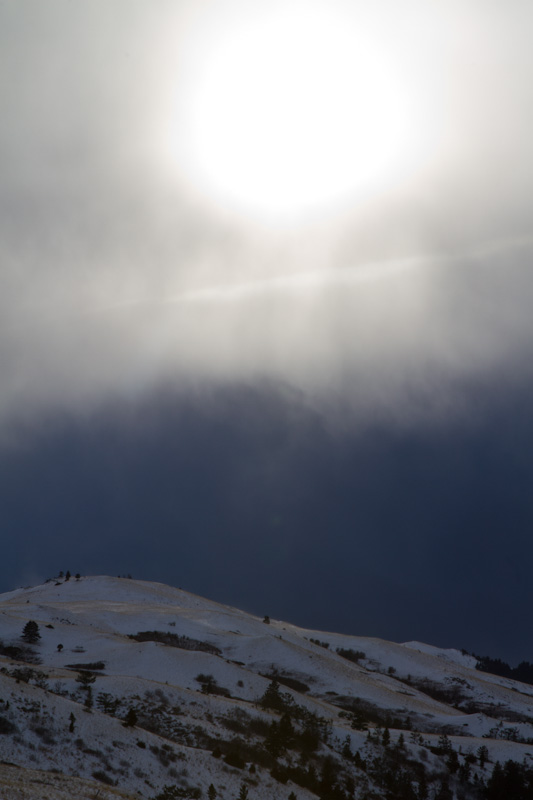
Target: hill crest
x=193, y=677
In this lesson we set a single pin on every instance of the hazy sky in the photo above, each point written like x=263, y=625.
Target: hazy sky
x=266, y=290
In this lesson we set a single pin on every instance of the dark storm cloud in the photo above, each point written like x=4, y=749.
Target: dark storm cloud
x=248, y=496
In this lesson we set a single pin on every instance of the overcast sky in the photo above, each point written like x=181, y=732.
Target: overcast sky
x=313, y=404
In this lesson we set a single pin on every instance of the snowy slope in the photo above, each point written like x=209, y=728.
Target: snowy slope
x=49, y=721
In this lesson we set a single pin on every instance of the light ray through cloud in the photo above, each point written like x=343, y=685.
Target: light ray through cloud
x=118, y=276
x=322, y=278
x=395, y=329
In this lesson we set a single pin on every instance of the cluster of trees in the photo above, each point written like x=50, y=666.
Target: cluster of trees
x=175, y=640
x=192, y=792
x=351, y=655
x=512, y=780
x=387, y=766
x=210, y=685
x=325, y=645
x=105, y=701
x=523, y=672
x=178, y=792
x=66, y=576
x=298, y=728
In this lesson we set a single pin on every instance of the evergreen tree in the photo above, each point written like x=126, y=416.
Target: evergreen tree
x=482, y=754
x=496, y=784
x=207, y=682
x=85, y=678
x=131, y=719
x=452, y=762
x=89, y=698
x=211, y=792
x=30, y=632
x=346, y=748
x=349, y=786
x=328, y=777
x=464, y=772
x=423, y=792
x=286, y=731
x=273, y=740
x=107, y=703
x=272, y=697
x=280, y=736
x=444, y=793
x=243, y=793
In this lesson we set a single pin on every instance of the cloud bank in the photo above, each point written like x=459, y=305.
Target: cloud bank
x=117, y=277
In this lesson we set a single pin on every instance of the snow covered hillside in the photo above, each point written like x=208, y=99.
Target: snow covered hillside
x=124, y=688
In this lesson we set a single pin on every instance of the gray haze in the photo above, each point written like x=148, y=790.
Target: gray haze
x=116, y=275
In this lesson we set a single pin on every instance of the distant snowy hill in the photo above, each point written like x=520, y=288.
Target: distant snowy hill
x=136, y=689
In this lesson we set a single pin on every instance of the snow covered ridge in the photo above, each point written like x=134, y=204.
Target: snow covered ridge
x=125, y=688
x=456, y=656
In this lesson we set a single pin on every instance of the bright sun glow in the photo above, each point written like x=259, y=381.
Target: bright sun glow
x=292, y=110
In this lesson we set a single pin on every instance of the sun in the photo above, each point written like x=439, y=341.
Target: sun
x=290, y=111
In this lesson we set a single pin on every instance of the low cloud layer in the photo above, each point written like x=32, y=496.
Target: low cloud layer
x=116, y=277
x=392, y=337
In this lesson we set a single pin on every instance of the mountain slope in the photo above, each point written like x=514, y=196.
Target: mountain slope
x=209, y=695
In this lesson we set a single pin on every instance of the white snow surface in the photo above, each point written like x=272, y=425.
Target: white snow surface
x=82, y=622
